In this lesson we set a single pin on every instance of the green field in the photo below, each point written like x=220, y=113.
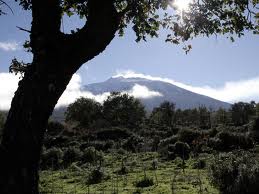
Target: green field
x=167, y=176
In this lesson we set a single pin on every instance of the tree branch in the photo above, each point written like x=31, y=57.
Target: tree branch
x=99, y=30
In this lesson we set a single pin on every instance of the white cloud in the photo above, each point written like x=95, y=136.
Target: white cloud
x=8, y=85
x=139, y=91
x=9, y=46
x=74, y=91
x=242, y=90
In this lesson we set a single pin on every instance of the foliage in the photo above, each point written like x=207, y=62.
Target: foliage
x=54, y=128
x=133, y=143
x=235, y=173
x=242, y=112
x=91, y=155
x=145, y=182
x=85, y=111
x=179, y=149
x=199, y=164
x=123, y=110
x=188, y=135
x=51, y=158
x=234, y=141
x=164, y=114
x=96, y=176
x=114, y=133
x=71, y=155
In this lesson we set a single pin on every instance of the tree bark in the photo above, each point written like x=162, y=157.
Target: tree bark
x=56, y=57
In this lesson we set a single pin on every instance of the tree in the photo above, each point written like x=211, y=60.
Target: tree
x=222, y=116
x=164, y=114
x=2, y=5
x=242, y=112
x=57, y=56
x=204, y=117
x=2, y=120
x=123, y=110
x=85, y=111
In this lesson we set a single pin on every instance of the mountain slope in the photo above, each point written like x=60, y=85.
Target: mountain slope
x=182, y=98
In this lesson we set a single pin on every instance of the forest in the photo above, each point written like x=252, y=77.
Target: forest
x=118, y=147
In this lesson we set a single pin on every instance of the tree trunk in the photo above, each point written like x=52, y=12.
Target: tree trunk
x=24, y=130
x=56, y=57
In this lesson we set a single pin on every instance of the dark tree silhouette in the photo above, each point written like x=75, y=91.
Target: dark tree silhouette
x=57, y=56
x=164, y=114
x=85, y=111
x=123, y=110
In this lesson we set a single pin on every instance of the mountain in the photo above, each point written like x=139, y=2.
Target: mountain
x=162, y=91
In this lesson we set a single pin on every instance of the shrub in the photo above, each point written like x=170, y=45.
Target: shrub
x=113, y=134
x=188, y=135
x=234, y=140
x=215, y=143
x=200, y=164
x=123, y=170
x=96, y=176
x=154, y=164
x=167, y=141
x=54, y=128
x=235, y=173
x=179, y=149
x=91, y=155
x=71, y=155
x=51, y=158
x=145, y=182
x=132, y=143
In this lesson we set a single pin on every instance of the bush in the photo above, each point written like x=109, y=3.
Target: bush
x=215, y=143
x=188, y=135
x=200, y=164
x=133, y=143
x=235, y=173
x=91, y=155
x=123, y=170
x=145, y=182
x=71, y=155
x=113, y=134
x=51, y=158
x=234, y=141
x=179, y=149
x=167, y=141
x=96, y=176
x=54, y=128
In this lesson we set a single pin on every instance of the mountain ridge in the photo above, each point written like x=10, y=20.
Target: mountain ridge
x=183, y=98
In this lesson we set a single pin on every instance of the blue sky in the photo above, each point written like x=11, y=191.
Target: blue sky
x=213, y=62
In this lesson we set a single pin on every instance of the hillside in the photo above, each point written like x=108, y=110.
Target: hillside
x=183, y=99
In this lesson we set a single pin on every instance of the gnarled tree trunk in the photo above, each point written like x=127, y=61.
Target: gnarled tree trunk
x=56, y=57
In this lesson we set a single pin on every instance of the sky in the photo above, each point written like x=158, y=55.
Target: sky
x=215, y=66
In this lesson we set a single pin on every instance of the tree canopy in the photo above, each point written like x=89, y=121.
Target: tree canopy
x=84, y=111
x=147, y=17
x=123, y=110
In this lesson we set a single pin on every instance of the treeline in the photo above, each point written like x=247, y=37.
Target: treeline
x=126, y=111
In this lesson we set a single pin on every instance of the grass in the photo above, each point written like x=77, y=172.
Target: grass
x=168, y=177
